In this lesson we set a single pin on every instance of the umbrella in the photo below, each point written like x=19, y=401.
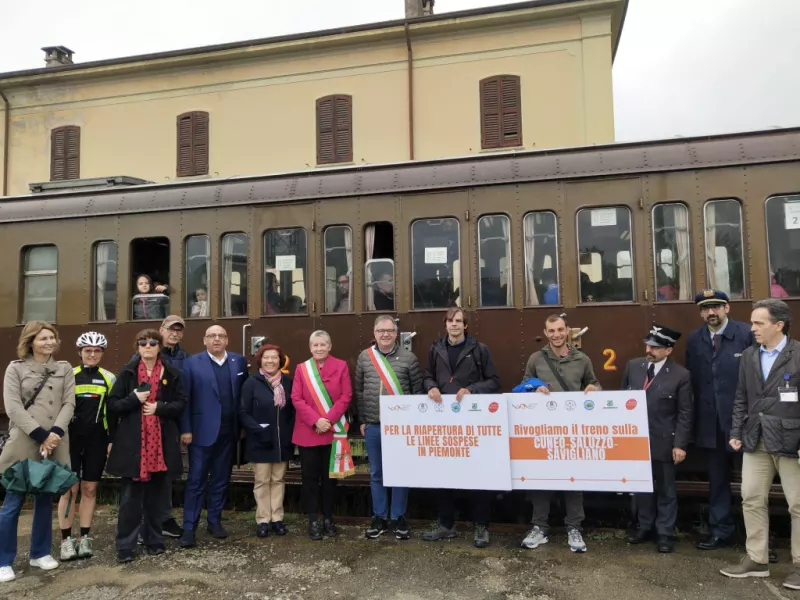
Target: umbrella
x=31, y=476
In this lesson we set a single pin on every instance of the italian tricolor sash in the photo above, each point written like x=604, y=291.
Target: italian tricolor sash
x=341, y=464
x=390, y=382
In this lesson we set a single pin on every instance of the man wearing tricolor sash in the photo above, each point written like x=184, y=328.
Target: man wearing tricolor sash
x=384, y=369
x=321, y=395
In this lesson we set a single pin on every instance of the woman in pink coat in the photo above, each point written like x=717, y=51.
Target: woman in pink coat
x=316, y=419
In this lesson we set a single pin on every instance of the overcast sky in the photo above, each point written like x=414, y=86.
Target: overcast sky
x=684, y=67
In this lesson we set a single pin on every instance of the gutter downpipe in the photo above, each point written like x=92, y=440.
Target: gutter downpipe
x=410, y=62
x=6, y=143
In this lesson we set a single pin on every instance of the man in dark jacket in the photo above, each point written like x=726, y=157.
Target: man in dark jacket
x=766, y=426
x=670, y=410
x=459, y=364
x=713, y=352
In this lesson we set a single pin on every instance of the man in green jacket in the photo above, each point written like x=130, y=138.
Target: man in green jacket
x=563, y=369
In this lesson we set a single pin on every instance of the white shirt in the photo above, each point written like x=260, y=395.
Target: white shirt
x=657, y=366
x=219, y=361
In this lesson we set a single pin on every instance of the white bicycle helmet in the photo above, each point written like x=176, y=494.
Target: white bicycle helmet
x=92, y=339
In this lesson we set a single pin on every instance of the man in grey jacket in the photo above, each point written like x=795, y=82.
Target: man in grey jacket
x=385, y=368
x=766, y=426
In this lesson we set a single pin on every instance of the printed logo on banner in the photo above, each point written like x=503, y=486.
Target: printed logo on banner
x=588, y=405
x=474, y=408
x=525, y=406
x=570, y=404
x=422, y=407
x=438, y=407
x=610, y=405
x=494, y=407
x=552, y=405
x=630, y=404
x=399, y=407
x=456, y=407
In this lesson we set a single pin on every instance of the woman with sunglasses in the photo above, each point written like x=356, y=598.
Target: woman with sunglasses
x=144, y=406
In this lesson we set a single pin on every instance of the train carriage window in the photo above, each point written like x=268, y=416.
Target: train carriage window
x=494, y=256
x=40, y=271
x=234, y=274
x=338, y=243
x=541, y=259
x=724, y=247
x=197, y=269
x=150, y=278
x=671, y=252
x=285, y=271
x=379, y=284
x=783, y=235
x=436, y=263
x=105, y=281
x=605, y=254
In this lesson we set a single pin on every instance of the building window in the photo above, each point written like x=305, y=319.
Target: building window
x=783, y=236
x=334, y=129
x=379, y=288
x=724, y=247
x=198, y=267
x=541, y=259
x=285, y=271
x=501, y=112
x=672, y=252
x=150, y=278
x=193, y=144
x=436, y=263
x=40, y=268
x=605, y=254
x=494, y=256
x=105, y=281
x=338, y=242
x=65, y=153
x=234, y=274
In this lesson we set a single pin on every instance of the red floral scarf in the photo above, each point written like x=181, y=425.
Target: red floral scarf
x=152, y=454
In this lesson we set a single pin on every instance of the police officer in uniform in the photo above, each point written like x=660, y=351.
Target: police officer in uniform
x=713, y=354
x=670, y=410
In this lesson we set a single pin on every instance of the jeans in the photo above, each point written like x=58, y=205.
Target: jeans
x=41, y=533
x=380, y=493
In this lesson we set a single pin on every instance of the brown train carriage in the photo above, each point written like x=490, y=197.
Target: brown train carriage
x=624, y=232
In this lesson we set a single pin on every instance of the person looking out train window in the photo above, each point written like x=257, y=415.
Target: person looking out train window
x=150, y=300
x=200, y=307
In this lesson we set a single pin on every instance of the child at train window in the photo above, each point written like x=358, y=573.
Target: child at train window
x=200, y=308
x=150, y=300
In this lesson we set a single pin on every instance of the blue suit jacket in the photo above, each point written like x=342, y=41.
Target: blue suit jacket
x=203, y=413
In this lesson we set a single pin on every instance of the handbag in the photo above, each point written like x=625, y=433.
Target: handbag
x=5, y=435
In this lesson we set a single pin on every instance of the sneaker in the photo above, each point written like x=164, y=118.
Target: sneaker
x=376, y=529
x=575, y=540
x=84, y=547
x=439, y=532
x=481, y=538
x=535, y=538
x=746, y=568
x=7, y=574
x=171, y=529
x=68, y=549
x=315, y=530
x=45, y=563
x=400, y=529
x=793, y=580
x=329, y=529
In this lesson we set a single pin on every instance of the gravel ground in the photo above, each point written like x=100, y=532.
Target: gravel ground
x=351, y=567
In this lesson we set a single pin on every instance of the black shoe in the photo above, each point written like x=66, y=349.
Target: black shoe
x=773, y=556
x=124, y=556
x=155, y=549
x=400, y=529
x=640, y=536
x=171, y=529
x=376, y=529
x=188, y=538
x=665, y=544
x=139, y=540
x=329, y=528
x=262, y=530
x=712, y=543
x=315, y=530
x=279, y=528
x=217, y=531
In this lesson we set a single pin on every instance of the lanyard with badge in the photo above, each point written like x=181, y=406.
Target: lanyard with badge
x=788, y=393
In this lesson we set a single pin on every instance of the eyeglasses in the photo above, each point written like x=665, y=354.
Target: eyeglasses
x=175, y=329
x=217, y=336
x=143, y=343
x=384, y=331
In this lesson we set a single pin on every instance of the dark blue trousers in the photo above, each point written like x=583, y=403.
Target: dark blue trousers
x=209, y=468
x=720, y=498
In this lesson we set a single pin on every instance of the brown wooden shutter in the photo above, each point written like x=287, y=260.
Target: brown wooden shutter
x=501, y=112
x=193, y=135
x=65, y=153
x=334, y=129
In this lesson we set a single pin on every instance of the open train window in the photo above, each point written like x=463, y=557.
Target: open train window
x=196, y=269
x=672, y=252
x=605, y=254
x=338, y=242
x=783, y=239
x=379, y=284
x=436, y=263
x=105, y=281
x=724, y=247
x=541, y=258
x=494, y=256
x=150, y=278
x=40, y=273
x=285, y=271
x=234, y=274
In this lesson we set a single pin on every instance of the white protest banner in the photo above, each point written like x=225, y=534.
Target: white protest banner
x=574, y=441
x=450, y=445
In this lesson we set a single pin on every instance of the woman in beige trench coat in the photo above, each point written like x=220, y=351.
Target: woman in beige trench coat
x=41, y=429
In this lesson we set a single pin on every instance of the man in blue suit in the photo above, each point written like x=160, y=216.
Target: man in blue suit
x=210, y=428
x=713, y=352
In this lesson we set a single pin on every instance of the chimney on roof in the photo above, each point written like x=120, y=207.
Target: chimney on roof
x=419, y=8
x=55, y=56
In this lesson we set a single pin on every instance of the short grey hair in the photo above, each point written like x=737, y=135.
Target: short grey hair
x=778, y=311
x=320, y=333
x=381, y=318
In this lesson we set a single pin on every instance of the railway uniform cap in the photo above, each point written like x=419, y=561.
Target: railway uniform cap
x=173, y=320
x=711, y=298
x=662, y=337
